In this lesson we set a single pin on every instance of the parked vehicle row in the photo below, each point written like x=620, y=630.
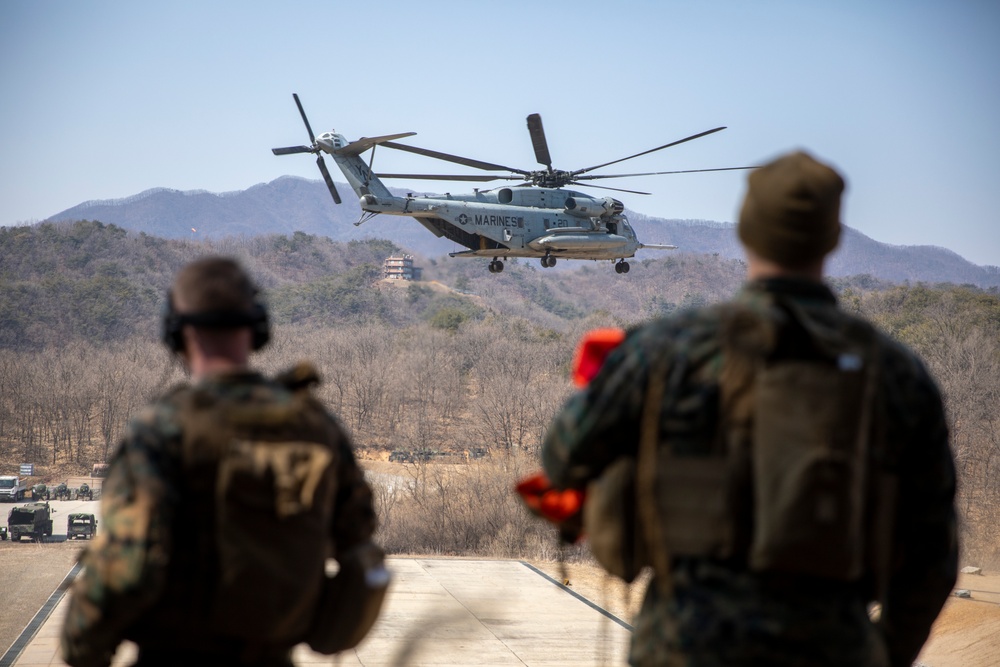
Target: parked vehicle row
x=34, y=521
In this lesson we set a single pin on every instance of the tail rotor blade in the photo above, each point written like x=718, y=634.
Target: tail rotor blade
x=290, y=150
x=326, y=177
x=305, y=120
x=538, y=140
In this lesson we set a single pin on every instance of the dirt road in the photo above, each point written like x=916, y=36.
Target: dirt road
x=30, y=572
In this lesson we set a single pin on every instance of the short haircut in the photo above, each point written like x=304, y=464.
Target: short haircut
x=214, y=285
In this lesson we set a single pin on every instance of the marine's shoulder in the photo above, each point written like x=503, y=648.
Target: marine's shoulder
x=690, y=322
x=902, y=363
x=160, y=415
x=690, y=332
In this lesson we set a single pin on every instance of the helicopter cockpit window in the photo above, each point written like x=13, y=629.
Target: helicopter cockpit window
x=627, y=228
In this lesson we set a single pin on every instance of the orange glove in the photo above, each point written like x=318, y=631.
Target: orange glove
x=594, y=348
x=563, y=508
x=549, y=503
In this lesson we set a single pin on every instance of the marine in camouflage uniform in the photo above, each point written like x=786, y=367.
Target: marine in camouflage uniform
x=149, y=576
x=716, y=611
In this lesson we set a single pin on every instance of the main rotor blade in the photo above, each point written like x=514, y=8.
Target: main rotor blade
x=468, y=162
x=329, y=181
x=538, y=142
x=289, y=150
x=452, y=177
x=658, y=173
x=651, y=150
x=305, y=120
x=605, y=187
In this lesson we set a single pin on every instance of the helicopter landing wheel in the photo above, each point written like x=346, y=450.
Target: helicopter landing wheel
x=496, y=266
x=548, y=261
x=621, y=267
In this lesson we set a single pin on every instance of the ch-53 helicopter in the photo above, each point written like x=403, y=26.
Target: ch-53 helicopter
x=534, y=218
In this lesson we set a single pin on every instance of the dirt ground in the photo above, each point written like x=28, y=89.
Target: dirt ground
x=608, y=592
x=29, y=574
x=967, y=632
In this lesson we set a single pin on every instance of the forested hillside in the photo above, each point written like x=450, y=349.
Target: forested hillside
x=93, y=282
x=463, y=362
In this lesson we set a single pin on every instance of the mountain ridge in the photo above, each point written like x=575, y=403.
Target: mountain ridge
x=290, y=203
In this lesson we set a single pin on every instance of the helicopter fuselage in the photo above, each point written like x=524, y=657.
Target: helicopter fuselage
x=516, y=228
x=502, y=222
x=535, y=218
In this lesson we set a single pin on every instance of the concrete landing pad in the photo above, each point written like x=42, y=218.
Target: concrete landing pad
x=449, y=612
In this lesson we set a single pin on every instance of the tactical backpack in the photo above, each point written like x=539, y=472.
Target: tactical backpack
x=787, y=486
x=806, y=416
x=272, y=467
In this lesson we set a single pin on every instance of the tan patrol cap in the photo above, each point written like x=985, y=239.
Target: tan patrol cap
x=791, y=213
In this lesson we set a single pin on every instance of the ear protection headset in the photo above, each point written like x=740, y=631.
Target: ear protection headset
x=255, y=318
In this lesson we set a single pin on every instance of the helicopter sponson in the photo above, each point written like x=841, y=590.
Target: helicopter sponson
x=582, y=241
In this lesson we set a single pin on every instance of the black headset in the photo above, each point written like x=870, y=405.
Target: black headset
x=255, y=318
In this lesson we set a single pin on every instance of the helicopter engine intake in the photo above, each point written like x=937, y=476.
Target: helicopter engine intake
x=591, y=208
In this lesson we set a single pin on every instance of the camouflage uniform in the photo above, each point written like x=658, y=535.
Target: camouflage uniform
x=720, y=612
x=148, y=576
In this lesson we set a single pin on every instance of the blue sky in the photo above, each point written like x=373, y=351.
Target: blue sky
x=102, y=99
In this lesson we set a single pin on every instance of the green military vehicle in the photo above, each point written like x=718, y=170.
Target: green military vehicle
x=32, y=520
x=85, y=492
x=62, y=492
x=80, y=524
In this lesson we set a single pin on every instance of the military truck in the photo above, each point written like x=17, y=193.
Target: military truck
x=40, y=492
x=32, y=520
x=80, y=524
x=62, y=492
x=84, y=492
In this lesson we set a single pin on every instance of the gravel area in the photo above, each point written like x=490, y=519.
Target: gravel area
x=30, y=572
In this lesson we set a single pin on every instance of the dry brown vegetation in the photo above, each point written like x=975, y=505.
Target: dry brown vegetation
x=414, y=369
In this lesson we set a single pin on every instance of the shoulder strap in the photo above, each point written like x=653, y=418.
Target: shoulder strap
x=646, y=469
